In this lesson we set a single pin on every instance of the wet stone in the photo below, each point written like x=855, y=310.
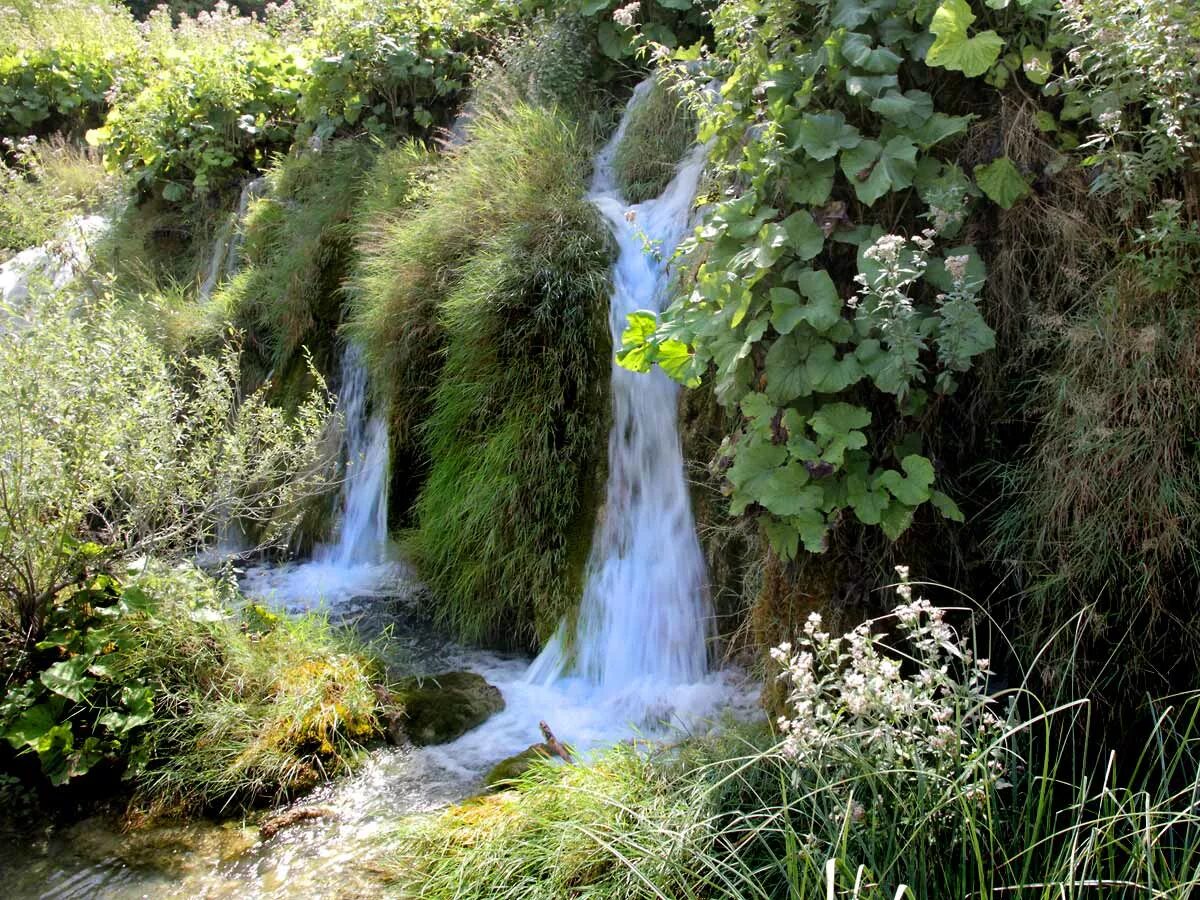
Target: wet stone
x=439, y=708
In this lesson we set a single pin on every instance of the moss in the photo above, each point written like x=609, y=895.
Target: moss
x=439, y=708
x=484, y=316
x=660, y=130
x=509, y=770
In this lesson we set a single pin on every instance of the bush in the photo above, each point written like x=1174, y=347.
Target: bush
x=503, y=265
x=58, y=62
x=155, y=677
x=112, y=451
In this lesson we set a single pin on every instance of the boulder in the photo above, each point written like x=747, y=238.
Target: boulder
x=437, y=709
x=508, y=770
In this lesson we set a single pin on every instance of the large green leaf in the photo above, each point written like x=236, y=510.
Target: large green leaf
x=953, y=49
x=810, y=182
x=912, y=488
x=858, y=49
x=910, y=109
x=804, y=236
x=875, y=169
x=1002, y=182
x=839, y=426
x=69, y=678
x=823, y=135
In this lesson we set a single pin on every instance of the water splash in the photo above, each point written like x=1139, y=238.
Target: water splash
x=226, y=256
x=354, y=563
x=645, y=618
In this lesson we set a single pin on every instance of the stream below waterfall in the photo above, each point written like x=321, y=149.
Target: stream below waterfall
x=636, y=664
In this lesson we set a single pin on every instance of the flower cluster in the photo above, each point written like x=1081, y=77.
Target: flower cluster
x=921, y=708
x=626, y=15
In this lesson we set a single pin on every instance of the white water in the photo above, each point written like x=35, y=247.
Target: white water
x=354, y=563
x=645, y=619
x=50, y=268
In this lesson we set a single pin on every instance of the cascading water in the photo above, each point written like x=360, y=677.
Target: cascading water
x=226, y=256
x=645, y=615
x=361, y=534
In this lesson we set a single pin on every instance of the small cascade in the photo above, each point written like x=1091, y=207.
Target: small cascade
x=226, y=255
x=645, y=617
x=361, y=534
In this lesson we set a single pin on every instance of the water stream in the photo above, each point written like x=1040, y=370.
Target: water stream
x=636, y=662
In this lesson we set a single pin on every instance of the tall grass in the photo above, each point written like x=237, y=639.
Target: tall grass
x=499, y=276
x=661, y=128
x=1035, y=811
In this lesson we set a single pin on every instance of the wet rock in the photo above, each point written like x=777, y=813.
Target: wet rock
x=276, y=824
x=439, y=708
x=505, y=772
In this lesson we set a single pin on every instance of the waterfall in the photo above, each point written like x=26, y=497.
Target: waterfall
x=645, y=616
x=361, y=533
x=227, y=248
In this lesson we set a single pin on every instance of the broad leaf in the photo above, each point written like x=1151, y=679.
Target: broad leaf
x=912, y=488
x=1002, y=182
x=823, y=135
x=953, y=49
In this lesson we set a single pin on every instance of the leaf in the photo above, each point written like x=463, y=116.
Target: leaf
x=785, y=540
x=676, y=4
x=952, y=49
x=895, y=519
x=908, y=110
x=1036, y=64
x=613, y=43
x=839, y=425
x=824, y=307
x=822, y=135
x=787, y=491
x=754, y=463
x=947, y=507
x=678, y=361
x=867, y=502
x=69, y=678
x=912, y=488
x=876, y=169
x=32, y=725
x=1002, y=182
x=786, y=378
x=813, y=530
x=805, y=236
x=939, y=127
x=809, y=181
x=858, y=49
x=937, y=275
x=636, y=352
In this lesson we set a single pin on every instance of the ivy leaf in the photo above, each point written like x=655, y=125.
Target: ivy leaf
x=875, y=169
x=69, y=678
x=952, y=49
x=867, y=502
x=839, y=425
x=947, y=507
x=938, y=127
x=858, y=49
x=1002, y=182
x=824, y=307
x=785, y=540
x=822, y=135
x=809, y=181
x=912, y=488
x=908, y=110
x=804, y=235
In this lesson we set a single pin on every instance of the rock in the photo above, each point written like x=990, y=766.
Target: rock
x=276, y=824
x=508, y=770
x=439, y=708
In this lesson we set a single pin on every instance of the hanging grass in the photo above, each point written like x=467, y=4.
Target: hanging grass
x=660, y=130
x=484, y=317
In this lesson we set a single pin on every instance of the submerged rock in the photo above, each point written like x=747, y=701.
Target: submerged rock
x=508, y=770
x=439, y=708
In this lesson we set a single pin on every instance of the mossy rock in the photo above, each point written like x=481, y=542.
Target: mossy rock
x=440, y=708
x=508, y=770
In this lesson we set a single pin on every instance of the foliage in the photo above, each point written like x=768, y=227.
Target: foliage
x=897, y=776
x=59, y=60
x=46, y=183
x=154, y=676
x=1133, y=75
x=504, y=265
x=295, y=253
x=833, y=332
x=110, y=449
x=661, y=129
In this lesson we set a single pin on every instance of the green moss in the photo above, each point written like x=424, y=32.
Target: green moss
x=439, y=708
x=659, y=132
x=484, y=317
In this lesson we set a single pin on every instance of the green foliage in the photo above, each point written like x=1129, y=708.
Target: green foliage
x=295, y=253
x=46, y=183
x=110, y=448
x=660, y=130
x=500, y=269
x=154, y=677
x=834, y=334
x=59, y=60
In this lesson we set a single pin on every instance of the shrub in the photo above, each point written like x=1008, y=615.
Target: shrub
x=503, y=265
x=155, y=676
x=111, y=451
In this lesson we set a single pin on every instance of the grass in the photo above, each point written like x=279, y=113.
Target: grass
x=661, y=129
x=47, y=184
x=297, y=250
x=249, y=708
x=737, y=816
x=498, y=275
